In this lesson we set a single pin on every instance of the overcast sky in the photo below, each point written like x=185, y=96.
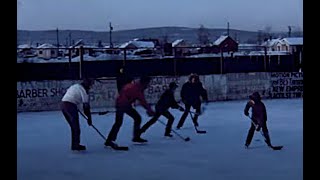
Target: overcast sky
x=95, y=15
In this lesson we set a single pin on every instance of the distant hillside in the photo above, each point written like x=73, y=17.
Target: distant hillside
x=93, y=37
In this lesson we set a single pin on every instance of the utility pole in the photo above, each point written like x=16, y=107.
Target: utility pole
x=70, y=39
x=228, y=29
x=58, y=41
x=111, y=28
x=289, y=33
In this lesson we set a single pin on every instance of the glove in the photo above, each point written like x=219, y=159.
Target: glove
x=89, y=121
x=246, y=113
x=181, y=108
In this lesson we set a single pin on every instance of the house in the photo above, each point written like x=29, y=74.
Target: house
x=137, y=44
x=47, y=51
x=209, y=49
x=25, y=50
x=132, y=46
x=226, y=44
x=87, y=49
x=272, y=44
x=180, y=47
x=155, y=41
x=292, y=44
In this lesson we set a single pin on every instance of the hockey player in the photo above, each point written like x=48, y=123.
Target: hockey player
x=129, y=94
x=191, y=92
x=165, y=102
x=76, y=95
x=259, y=119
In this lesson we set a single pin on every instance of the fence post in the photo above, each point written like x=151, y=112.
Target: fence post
x=81, y=62
x=124, y=56
x=265, y=59
x=70, y=55
x=221, y=61
x=174, y=53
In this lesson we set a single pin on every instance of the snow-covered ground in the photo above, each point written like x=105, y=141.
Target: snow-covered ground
x=44, y=147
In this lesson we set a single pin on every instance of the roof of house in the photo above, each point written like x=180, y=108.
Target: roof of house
x=45, y=46
x=24, y=46
x=138, y=44
x=176, y=42
x=271, y=42
x=248, y=45
x=220, y=40
x=293, y=40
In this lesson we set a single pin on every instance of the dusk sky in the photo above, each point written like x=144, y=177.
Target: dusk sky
x=95, y=15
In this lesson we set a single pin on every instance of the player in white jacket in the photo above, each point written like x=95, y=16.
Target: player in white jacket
x=76, y=95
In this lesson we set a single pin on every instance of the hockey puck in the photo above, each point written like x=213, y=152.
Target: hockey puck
x=187, y=139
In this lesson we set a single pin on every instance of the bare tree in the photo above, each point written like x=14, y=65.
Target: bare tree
x=165, y=38
x=267, y=32
x=259, y=36
x=203, y=35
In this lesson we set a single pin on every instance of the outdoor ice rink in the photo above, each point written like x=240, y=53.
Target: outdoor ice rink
x=43, y=147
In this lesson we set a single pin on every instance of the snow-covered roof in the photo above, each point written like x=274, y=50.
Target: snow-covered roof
x=247, y=45
x=271, y=42
x=24, y=46
x=220, y=40
x=124, y=45
x=176, y=42
x=80, y=41
x=45, y=45
x=86, y=46
x=294, y=40
x=143, y=44
x=138, y=44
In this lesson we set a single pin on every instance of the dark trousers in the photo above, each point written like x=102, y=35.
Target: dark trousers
x=154, y=119
x=197, y=107
x=70, y=112
x=119, y=119
x=264, y=131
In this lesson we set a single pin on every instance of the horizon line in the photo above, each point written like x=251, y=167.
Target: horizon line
x=144, y=28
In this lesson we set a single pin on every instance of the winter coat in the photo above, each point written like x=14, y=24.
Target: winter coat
x=129, y=94
x=191, y=93
x=258, y=109
x=166, y=101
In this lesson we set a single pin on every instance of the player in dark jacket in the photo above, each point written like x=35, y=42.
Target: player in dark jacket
x=165, y=102
x=259, y=118
x=191, y=92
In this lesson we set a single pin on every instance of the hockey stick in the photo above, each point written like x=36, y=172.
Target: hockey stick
x=121, y=148
x=201, y=112
x=195, y=127
x=102, y=112
x=185, y=139
x=84, y=116
x=273, y=147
